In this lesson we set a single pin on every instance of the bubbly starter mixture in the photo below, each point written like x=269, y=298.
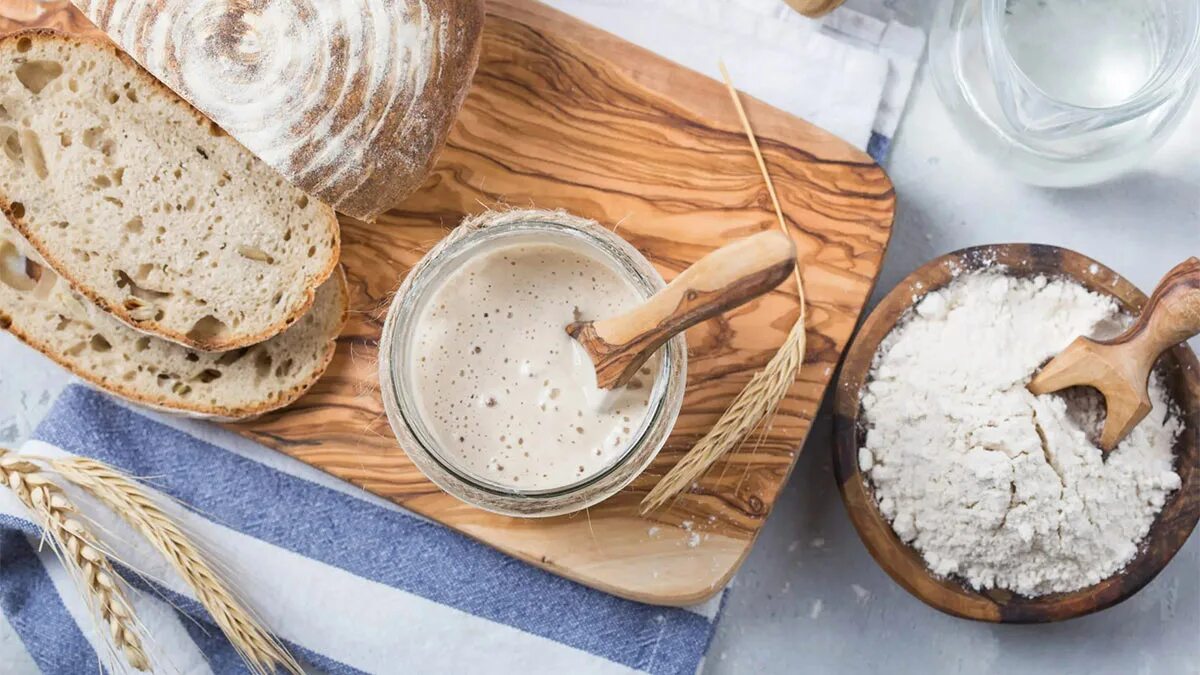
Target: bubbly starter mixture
x=988, y=482
x=508, y=395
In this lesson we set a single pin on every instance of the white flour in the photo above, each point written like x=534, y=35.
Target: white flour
x=990, y=483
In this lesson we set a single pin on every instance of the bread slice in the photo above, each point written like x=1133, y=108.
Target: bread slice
x=42, y=310
x=146, y=207
x=350, y=104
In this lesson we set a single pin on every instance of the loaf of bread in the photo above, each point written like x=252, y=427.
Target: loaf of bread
x=146, y=207
x=41, y=310
x=351, y=100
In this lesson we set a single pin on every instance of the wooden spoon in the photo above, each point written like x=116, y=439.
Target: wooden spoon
x=814, y=8
x=726, y=278
x=1120, y=367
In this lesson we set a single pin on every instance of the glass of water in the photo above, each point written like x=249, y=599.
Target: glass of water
x=1066, y=92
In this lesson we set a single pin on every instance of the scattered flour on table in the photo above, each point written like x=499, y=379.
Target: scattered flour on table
x=817, y=606
x=990, y=483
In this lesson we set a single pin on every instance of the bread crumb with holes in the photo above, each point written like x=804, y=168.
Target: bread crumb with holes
x=144, y=206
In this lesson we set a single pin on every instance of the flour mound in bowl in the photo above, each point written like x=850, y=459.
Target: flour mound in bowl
x=994, y=485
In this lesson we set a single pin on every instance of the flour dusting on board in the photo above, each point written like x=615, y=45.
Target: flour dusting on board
x=988, y=482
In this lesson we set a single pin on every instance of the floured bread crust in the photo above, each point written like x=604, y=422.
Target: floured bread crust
x=351, y=101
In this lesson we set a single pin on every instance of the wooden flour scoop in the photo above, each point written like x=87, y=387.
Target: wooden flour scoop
x=1120, y=367
x=726, y=278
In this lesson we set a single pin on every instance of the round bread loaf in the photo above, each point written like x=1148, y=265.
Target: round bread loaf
x=351, y=101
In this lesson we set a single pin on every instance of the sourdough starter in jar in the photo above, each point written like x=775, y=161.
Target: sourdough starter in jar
x=506, y=393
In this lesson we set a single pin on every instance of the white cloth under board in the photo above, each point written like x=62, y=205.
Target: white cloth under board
x=849, y=72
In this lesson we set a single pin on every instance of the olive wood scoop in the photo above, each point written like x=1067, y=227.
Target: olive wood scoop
x=1120, y=367
x=726, y=278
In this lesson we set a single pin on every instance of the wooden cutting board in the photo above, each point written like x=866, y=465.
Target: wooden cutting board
x=563, y=115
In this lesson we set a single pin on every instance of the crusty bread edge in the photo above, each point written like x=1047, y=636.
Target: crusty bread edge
x=215, y=413
x=382, y=190
x=119, y=312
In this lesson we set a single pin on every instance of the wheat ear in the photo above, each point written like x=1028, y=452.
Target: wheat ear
x=79, y=551
x=767, y=387
x=261, y=651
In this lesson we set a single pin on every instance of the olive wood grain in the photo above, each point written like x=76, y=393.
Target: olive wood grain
x=562, y=115
x=728, y=277
x=1120, y=368
x=904, y=563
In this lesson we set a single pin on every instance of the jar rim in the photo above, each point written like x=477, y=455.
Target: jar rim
x=404, y=417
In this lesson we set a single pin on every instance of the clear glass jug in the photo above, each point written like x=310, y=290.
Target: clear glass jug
x=1066, y=92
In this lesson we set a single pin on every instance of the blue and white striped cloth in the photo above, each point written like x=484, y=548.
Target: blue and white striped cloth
x=351, y=583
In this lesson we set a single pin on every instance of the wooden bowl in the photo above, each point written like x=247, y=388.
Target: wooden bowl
x=902, y=562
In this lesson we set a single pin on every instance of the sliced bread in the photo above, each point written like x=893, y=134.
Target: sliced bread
x=43, y=311
x=350, y=101
x=146, y=207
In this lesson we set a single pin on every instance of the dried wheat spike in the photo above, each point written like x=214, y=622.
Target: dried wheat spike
x=79, y=552
x=261, y=651
x=760, y=399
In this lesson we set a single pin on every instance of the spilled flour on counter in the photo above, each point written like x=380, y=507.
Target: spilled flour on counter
x=990, y=483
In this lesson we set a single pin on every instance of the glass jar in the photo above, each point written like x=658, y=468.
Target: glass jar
x=396, y=360
x=1066, y=92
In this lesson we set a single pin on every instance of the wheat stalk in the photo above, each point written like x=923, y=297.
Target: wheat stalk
x=261, y=651
x=767, y=387
x=79, y=551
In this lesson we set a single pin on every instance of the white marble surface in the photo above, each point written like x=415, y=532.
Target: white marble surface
x=810, y=598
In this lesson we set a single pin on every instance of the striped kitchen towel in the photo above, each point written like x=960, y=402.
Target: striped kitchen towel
x=350, y=582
